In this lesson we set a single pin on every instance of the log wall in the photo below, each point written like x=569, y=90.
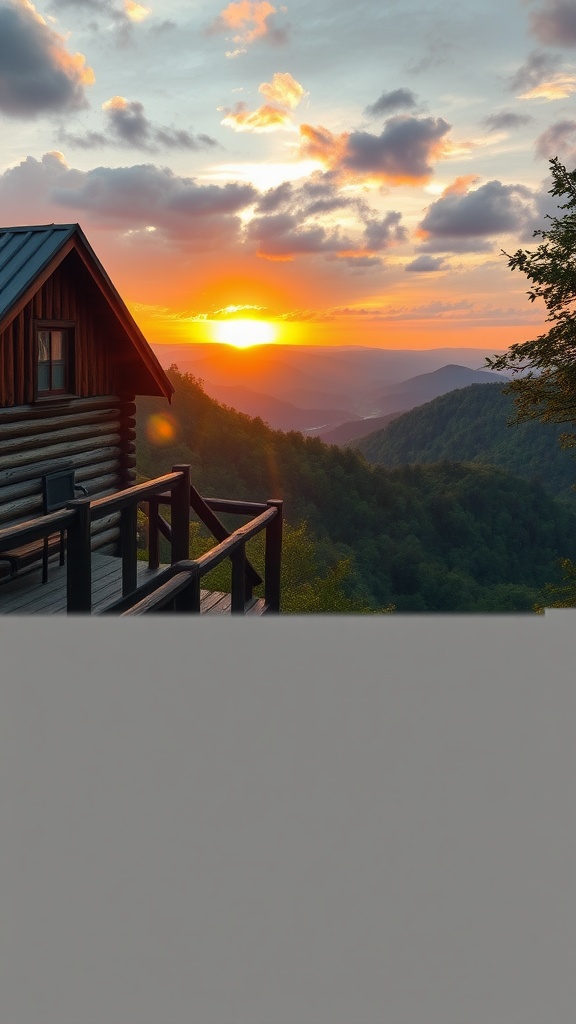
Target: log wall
x=94, y=435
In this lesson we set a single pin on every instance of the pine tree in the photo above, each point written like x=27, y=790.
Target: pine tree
x=547, y=392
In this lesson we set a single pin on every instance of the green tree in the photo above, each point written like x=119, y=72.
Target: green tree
x=561, y=595
x=549, y=394
x=547, y=391
x=305, y=586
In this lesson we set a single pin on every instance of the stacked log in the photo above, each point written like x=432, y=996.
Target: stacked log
x=95, y=436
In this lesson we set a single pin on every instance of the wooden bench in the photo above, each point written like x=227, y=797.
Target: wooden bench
x=58, y=488
x=22, y=557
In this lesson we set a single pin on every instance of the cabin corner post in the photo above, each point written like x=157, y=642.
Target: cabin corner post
x=273, y=557
x=181, y=515
x=127, y=459
x=79, y=561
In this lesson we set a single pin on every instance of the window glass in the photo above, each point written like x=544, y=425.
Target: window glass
x=58, y=376
x=44, y=376
x=57, y=346
x=43, y=346
x=52, y=360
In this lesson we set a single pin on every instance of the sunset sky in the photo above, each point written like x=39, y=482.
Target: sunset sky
x=348, y=172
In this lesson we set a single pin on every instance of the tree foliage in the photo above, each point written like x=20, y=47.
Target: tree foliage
x=442, y=537
x=548, y=390
x=472, y=425
x=560, y=595
x=304, y=586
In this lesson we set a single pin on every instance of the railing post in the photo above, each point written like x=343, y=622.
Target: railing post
x=273, y=557
x=129, y=548
x=79, y=561
x=181, y=515
x=189, y=600
x=153, y=533
x=238, y=559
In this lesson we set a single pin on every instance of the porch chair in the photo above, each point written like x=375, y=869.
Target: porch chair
x=58, y=489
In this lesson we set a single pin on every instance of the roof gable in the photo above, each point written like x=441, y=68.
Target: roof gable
x=28, y=255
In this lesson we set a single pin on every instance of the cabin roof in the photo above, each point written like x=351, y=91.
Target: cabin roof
x=29, y=254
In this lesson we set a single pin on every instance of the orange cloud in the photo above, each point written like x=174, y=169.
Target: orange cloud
x=247, y=19
x=134, y=11
x=283, y=94
x=74, y=67
x=115, y=103
x=265, y=119
x=557, y=88
x=321, y=144
x=283, y=90
x=461, y=185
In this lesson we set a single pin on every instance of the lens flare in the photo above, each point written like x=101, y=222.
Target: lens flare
x=160, y=428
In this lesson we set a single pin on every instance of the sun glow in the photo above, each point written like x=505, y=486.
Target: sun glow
x=243, y=332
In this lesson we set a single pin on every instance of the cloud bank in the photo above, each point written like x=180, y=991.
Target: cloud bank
x=402, y=154
x=198, y=217
x=460, y=220
x=127, y=124
x=554, y=23
x=390, y=102
x=38, y=75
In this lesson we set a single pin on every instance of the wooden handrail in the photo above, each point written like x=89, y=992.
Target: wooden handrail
x=161, y=589
x=79, y=514
x=161, y=595
x=234, y=506
x=210, y=559
x=205, y=509
x=139, y=492
x=149, y=587
x=34, y=529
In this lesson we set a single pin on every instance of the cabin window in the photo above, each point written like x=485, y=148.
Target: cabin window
x=54, y=374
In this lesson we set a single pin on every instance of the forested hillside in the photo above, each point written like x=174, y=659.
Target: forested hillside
x=471, y=425
x=443, y=537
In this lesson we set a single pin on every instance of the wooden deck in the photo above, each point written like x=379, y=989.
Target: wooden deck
x=26, y=595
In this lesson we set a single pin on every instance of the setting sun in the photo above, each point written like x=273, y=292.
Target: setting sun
x=243, y=333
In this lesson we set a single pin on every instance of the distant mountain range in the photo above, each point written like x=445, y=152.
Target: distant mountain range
x=276, y=369
x=319, y=389
x=352, y=429
x=446, y=537
x=471, y=425
x=424, y=387
x=279, y=415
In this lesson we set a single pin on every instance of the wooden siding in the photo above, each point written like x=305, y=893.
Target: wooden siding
x=94, y=435
x=101, y=351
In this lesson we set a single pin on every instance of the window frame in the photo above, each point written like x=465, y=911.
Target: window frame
x=69, y=390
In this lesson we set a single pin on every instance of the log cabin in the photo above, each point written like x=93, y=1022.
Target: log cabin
x=72, y=361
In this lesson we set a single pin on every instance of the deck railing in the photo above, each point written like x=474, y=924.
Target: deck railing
x=182, y=577
x=178, y=586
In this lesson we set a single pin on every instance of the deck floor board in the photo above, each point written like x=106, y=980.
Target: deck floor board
x=27, y=595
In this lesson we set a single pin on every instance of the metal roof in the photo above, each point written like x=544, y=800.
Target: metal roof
x=24, y=252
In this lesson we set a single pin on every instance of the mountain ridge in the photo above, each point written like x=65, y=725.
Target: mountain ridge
x=471, y=425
